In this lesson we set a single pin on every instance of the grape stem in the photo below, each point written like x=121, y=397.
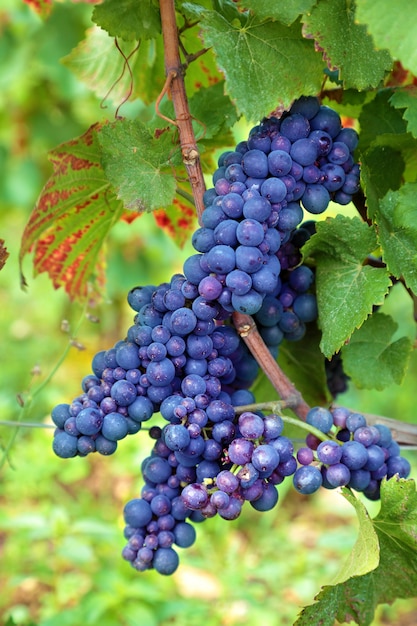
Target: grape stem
x=175, y=86
x=246, y=328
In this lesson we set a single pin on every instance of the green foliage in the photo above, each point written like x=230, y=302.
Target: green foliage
x=286, y=11
x=394, y=575
x=121, y=19
x=346, y=44
x=347, y=287
x=241, y=61
x=139, y=165
x=389, y=25
x=241, y=40
x=371, y=359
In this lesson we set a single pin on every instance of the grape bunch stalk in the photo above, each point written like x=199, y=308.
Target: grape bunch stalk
x=183, y=359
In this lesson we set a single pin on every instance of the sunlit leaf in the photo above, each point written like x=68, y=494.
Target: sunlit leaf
x=72, y=218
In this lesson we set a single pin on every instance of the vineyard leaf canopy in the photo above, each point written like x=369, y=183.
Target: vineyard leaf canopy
x=346, y=45
x=72, y=217
x=394, y=577
x=393, y=25
x=347, y=289
x=371, y=359
x=265, y=63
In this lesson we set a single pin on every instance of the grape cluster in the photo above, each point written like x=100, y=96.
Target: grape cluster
x=355, y=455
x=302, y=159
x=183, y=358
x=177, y=347
x=191, y=477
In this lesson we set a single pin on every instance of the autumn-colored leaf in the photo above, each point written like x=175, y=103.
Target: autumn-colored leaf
x=42, y=7
x=178, y=220
x=3, y=254
x=72, y=217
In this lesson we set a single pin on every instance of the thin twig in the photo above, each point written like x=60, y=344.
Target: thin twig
x=176, y=87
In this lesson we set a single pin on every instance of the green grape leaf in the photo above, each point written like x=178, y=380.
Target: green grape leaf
x=365, y=553
x=397, y=231
x=371, y=359
x=382, y=169
x=392, y=26
x=139, y=164
x=72, y=217
x=261, y=57
x=347, y=288
x=124, y=18
x=285, y=11
x=379, y=117
x=407, y=99
x=98, y=63
x=394, y=577
x=346, y=45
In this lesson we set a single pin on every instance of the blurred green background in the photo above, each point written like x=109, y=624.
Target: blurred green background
x=61, y=522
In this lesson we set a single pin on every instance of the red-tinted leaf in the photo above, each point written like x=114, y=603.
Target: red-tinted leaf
x=42, y=7
x=178, y=220
x=130, y=216
x=72, y=218
x=3, y=254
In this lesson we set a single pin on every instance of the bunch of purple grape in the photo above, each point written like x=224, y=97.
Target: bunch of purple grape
x=354, y=455
x=305, y=158
x=183, y=358
x=193, y=477
x=178, y=347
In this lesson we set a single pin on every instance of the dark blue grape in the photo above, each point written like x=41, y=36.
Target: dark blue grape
x=307, y=479
x=315, y=198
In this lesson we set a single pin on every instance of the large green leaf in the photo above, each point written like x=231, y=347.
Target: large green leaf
x=72, y=217
x=393, y=25
x=140, y=165
x=347, y=288
x=125, y=19
x=285, y=11
x=346, y=45
x=371, y=359
x=266, y=64
x=394, y=577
